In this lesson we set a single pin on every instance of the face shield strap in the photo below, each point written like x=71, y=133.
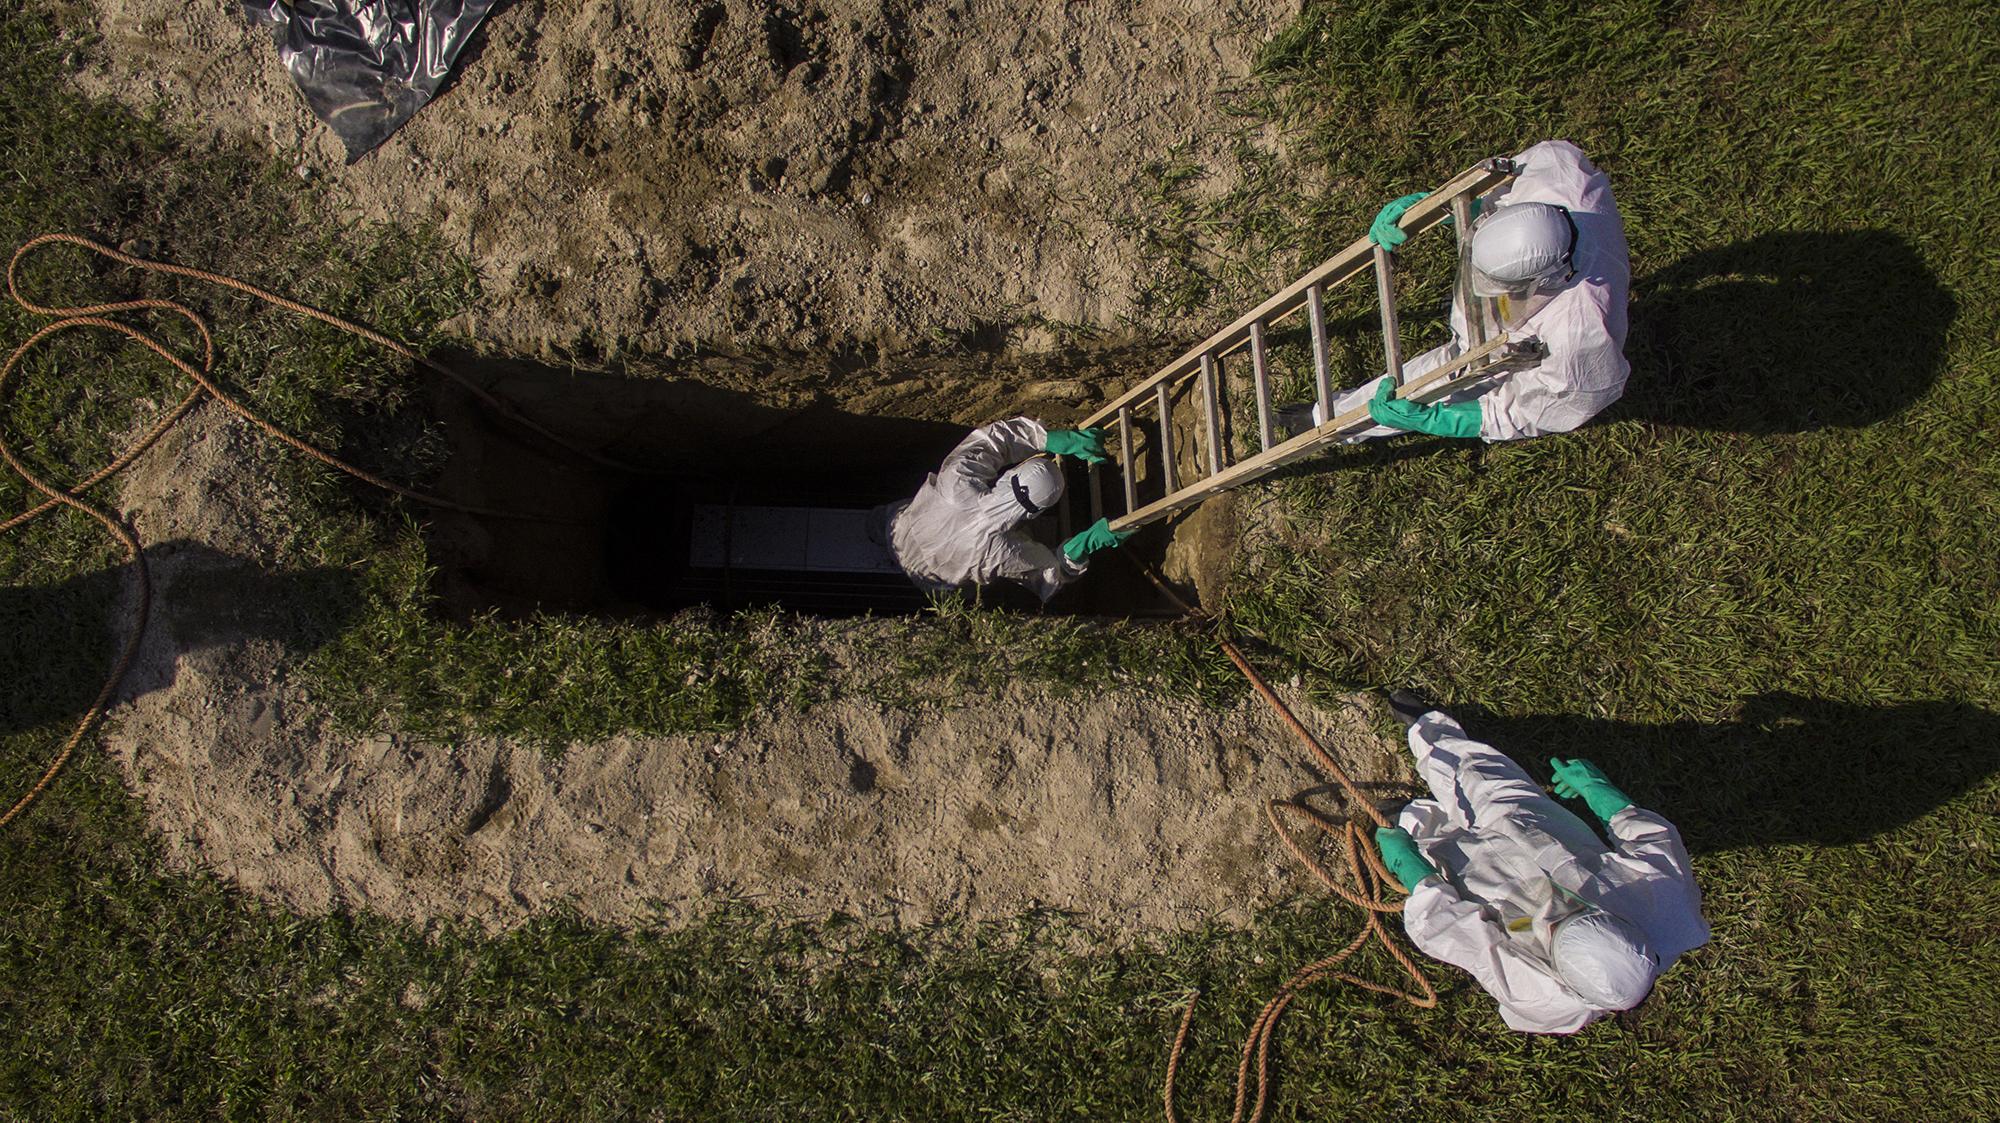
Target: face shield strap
x=1569, y=255
x=1021, y=496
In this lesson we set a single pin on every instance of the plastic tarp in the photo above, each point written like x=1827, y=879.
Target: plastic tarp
x=365, y=66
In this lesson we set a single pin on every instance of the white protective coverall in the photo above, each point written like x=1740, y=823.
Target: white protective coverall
x=1583, y=324
x=961, y=530
x=1514, y=862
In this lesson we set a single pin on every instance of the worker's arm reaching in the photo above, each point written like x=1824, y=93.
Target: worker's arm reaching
x=1459, y=419
x=1577, y=778
x=1656, y=884
x=1647, y=877
x=967, y=476
x=1097, y=536
x=1086, y=445
x=1400, y=854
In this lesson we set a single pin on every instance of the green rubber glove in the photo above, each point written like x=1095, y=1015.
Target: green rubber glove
x=1400, y=854
x=1383, y=231
x=1461, y=419
x=1580, y=779
x=1097, y=536
x=1086, y=445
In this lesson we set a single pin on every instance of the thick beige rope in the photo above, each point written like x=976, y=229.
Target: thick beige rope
x=93, y=316
x=1368, y=878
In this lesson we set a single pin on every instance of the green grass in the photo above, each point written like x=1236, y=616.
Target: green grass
x=1759, y=592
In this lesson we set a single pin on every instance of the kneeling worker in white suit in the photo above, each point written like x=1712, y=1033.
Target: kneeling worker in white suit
x=1551, y=250
x=1508, y=884
x=967, y=524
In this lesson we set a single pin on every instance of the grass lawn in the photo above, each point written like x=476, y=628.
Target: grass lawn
x=1760, y=592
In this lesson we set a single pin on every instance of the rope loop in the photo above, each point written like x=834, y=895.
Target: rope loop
x=72, y=317
x=1364, y=888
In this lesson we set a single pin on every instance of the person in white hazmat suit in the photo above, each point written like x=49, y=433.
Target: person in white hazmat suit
x=1560, y=926
x=1550, y=248
x=967, y=525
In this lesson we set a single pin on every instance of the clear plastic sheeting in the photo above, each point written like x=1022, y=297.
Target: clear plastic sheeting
x=365, y=66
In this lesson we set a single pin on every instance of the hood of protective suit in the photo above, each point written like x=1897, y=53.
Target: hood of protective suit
x=1033, y=486
x=1522, y=247
x=1604, y=960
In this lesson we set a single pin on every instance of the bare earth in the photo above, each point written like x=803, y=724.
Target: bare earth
x=636, y=177
x=1131, y=812
x=643, y=174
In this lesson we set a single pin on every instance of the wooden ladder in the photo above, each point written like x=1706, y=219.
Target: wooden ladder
x=1216, y=470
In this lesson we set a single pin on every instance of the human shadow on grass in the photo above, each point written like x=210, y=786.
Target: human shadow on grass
x=1781, y=333
x=1787, y=770
x=1786, y=333
x=59, y=641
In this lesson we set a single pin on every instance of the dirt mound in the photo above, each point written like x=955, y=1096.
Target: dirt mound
x=1130, y=813
x=639, y=174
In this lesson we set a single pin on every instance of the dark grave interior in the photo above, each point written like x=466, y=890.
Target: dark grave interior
x=706, y=517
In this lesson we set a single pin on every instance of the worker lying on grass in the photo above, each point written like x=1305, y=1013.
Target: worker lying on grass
x=968, y=524
x=1510, y=885
x=1550, y=249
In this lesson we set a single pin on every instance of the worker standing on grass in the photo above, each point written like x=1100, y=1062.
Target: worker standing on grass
x=968, y=524
x=1550, y=251
x=1510, y=885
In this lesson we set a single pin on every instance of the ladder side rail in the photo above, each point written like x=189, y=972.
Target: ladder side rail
x=1425, y=388
x=1341, y=267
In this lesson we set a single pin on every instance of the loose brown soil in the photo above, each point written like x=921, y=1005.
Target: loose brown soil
x=1133, y=812
x=636, y=175
x=917, y=208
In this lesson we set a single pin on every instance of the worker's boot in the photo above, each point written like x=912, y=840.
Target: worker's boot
x=1408, y=706
x=1299, y=417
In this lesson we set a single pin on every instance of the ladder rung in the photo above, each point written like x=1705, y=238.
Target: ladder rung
x=1211, y=408
x=1348, y=263
x=1128, y=468
x=1260, y=372
x=1322, y=367
x=1252, y=330
x=1465, y=370
x=1385, y=290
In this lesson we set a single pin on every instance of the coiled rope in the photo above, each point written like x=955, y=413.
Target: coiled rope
x=94, y=316
x=1367, y=879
